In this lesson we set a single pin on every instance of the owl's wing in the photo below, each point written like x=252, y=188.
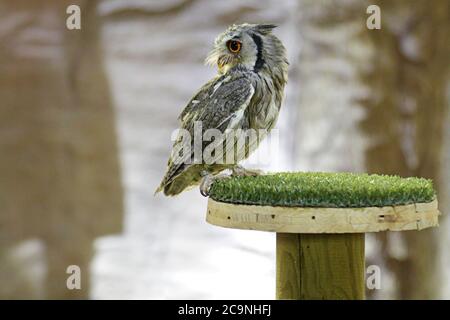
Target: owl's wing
x=198, y=97
x=220, y=105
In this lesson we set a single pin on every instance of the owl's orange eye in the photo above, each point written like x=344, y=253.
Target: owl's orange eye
x=234, y=46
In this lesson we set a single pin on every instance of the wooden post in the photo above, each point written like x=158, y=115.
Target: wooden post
x=320, y=251
x=320, y=266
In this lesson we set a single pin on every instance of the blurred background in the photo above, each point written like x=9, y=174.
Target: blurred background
x=86, y=118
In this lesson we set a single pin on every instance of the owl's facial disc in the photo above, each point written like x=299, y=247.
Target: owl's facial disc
x=232, y=48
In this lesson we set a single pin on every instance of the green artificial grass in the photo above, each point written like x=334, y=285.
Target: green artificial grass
x=323, y=190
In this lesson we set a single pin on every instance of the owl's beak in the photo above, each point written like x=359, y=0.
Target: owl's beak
x=223, y=62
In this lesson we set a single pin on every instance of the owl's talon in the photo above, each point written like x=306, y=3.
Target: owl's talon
x=240, y=171
x=204, y=191
x=208, y=181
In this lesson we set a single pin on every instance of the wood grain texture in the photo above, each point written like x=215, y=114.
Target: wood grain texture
x=416, y=216
x=320, y=266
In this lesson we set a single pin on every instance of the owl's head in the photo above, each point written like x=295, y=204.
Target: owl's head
x=252, y=46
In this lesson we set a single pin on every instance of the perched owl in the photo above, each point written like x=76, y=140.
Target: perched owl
x=246, y=94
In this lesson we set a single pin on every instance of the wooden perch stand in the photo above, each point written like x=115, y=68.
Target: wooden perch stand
x=320, y=250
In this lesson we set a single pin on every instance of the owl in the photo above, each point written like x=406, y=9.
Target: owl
x=246, y=94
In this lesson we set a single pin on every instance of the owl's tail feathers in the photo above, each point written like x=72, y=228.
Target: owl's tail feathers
x=165, y=187
x=167, y=180
x=174, y=188
x=162, y=185
x=159, y=189
x=173, y=184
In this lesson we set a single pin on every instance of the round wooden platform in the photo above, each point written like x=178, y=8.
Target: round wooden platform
x=415, y=216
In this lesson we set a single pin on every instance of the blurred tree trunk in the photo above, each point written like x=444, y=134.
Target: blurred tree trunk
x=398, y=77
x=60, y=178
x=405, y=116
x=327, y=134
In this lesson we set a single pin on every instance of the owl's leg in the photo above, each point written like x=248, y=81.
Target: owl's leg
x=208, y=179
x=239, y=170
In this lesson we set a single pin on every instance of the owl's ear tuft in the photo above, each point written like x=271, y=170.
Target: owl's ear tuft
x=265, y=28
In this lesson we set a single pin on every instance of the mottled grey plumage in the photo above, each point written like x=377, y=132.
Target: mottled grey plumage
x=246, y=94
